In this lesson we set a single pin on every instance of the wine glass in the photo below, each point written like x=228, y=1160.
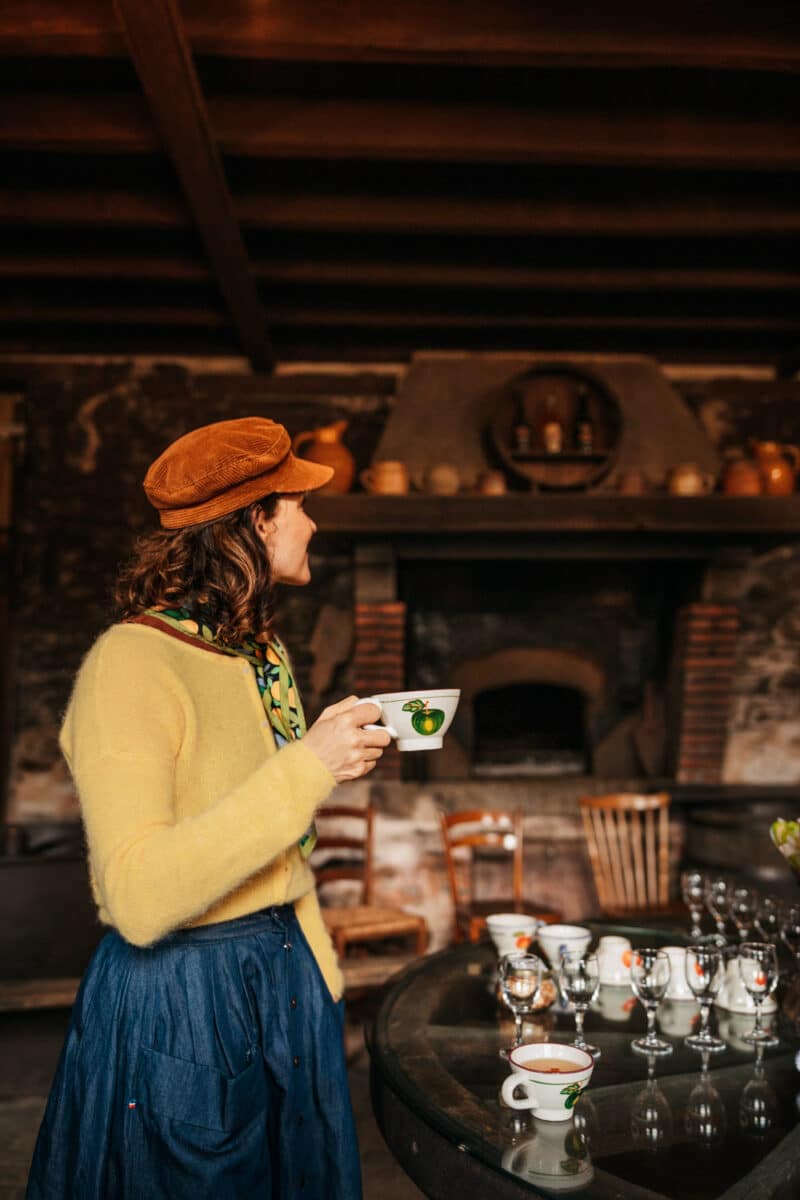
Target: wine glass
x=758, y=966
x=650, y=972
x=706, y=1121
x=758, y=1104
x=579, y=976
x=651, y=1115
x=520, y=981
x=768, y=919
x=718, y=897
x=790, y=929
x=744, y=906
x=693, y=890
x=705, y=971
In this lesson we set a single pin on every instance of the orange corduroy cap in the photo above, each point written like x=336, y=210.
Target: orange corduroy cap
x=216, y=469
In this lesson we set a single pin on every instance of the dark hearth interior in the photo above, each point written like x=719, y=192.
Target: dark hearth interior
x=538, y=728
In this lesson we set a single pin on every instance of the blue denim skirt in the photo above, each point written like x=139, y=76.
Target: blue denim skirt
x=210, y=1065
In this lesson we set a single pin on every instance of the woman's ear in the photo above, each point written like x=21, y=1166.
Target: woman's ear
x=261, y=523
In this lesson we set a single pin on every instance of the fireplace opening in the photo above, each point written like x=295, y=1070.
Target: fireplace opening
x=530, y=728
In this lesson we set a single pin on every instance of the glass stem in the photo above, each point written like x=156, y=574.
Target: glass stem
x=704, y=1011
x=517, y=1028
x=757, y=1006
x=578, y=1026
x=651, y=1023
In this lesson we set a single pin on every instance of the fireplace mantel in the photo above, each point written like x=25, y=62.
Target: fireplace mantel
x=571, y=524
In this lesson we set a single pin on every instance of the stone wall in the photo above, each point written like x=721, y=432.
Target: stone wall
x=763, y=745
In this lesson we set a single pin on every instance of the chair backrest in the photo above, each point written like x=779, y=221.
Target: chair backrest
x=344, y=846
x=628, y=841
x=496, y=830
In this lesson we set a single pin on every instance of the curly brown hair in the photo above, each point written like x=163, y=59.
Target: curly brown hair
x=219, y=571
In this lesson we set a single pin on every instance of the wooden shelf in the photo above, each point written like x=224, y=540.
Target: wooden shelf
x=722, y=517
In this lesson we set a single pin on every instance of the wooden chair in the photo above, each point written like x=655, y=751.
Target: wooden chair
x=628, y=841
x=475, y=836
x=348, y=856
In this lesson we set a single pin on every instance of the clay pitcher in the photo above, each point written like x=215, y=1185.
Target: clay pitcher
x=741, y=477
x=778, y=465
x=328, y=449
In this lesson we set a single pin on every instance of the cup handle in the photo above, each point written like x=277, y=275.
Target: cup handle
x=390, y=729
x=510, y=1083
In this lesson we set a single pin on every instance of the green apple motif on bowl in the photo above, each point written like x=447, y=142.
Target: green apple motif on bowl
x=425, y=721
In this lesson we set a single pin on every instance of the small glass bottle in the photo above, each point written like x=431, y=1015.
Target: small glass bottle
x=584, y=429
x=522, y=431
x=552, y=431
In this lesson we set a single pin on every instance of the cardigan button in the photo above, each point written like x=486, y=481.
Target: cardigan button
x=293, y=1002
x=296, y=1060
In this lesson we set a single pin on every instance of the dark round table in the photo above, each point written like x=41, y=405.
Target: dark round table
x=643, y=1131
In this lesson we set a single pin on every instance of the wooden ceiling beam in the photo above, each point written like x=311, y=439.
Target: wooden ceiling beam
x=386, y=130
x=287, y=316
x=703, y=216
x=172, y=268
x=163, y=62
x=505, y=33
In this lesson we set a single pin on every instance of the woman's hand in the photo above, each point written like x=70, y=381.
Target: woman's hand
x=338, y=738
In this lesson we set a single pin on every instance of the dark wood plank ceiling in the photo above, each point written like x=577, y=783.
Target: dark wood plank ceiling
x=356, y=180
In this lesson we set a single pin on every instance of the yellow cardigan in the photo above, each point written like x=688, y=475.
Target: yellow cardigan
x=192, y=816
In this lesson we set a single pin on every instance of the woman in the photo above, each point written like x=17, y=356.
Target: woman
x=204, y=1055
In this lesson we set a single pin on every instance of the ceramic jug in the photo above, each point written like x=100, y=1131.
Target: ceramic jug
x=778, y=465
x=741, y=477
x=386, y=477
x=328, y=449
x=687, y=479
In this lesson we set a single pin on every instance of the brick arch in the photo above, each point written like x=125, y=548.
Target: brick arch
x=564, y=668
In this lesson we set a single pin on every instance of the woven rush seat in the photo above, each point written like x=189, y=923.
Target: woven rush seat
x=365, y=922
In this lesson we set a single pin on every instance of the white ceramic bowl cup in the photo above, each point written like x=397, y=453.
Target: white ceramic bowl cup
x=555, y=939
x=551, y=1097
x=418, y=720
x=511, y=931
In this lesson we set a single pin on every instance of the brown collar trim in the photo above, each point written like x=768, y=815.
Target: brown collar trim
x=163, y=627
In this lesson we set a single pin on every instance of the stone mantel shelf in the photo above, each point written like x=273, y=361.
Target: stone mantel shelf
x=441, y=516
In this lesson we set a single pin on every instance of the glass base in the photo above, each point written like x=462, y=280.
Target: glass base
x=696, y=1041
x=761, y=1039
x=656, y=1046
x=595, y=1051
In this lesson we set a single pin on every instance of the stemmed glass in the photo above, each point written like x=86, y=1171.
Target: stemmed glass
x=790, y=929
x=744, y=905
x=768, y=919
x=651, y=1115
x=758, y=966
x=520, y=981
x=579, y=976
x=650, y=972
x=718, y=897
x=705, y=971
x=693, y=890
x=706, y=1121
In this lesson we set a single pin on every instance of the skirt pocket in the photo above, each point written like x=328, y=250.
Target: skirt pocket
x=198, y=1134
x=200, y=1095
